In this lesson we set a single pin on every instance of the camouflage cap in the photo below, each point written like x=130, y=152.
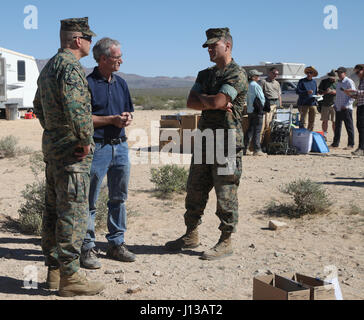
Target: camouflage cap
x=214, y=35
x=78, y=25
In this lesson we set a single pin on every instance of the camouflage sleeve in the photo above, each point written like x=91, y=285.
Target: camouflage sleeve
x=76, y=103
x=234, y=83
x=38, y=110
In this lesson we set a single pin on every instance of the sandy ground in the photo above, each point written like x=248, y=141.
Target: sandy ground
x=308, y=246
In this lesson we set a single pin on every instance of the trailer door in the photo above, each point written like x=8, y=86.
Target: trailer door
x=2, y=79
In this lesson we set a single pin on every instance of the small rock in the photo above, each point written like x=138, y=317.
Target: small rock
x=345, y=236
x=277, y=254
x=157, y=274
x=155, y=234
x=134, y=289
x=332, y=174
x=109, y=272
x=252, y=246
x=221, y=268
x=121, y=280
x=119, y=271
x=352, y=248
x=153, y=281
x=137, y=271
x=262, y=272
x=275, y=225
x=205, y=289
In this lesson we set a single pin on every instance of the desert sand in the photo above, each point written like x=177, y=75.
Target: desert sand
x=308, y=246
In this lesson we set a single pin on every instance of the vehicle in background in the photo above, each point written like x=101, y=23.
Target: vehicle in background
x=18, y=80
x=289, y=75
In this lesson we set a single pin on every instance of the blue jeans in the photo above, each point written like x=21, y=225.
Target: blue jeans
x=112, y=160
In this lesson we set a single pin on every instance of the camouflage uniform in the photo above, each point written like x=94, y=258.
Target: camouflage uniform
x=233, y=82
x=63, y=107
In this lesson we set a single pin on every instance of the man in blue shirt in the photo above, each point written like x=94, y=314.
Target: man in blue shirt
x=255, y=116
x=112, y=111
x=306, y=89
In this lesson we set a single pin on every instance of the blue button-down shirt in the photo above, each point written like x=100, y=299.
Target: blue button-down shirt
x=109, y=98
x=342, y=100
x=255, y=90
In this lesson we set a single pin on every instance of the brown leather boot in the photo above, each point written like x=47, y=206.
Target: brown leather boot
x=188, y=241
x=221, y=250
x=53, y=278
x=78, y=285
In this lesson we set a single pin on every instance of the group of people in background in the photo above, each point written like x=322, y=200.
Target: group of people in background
x=338, y=93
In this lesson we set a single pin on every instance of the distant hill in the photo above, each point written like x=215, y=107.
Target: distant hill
x=139, y=82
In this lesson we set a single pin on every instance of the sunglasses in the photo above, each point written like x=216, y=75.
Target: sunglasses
x=85, y=37
x=309, y=72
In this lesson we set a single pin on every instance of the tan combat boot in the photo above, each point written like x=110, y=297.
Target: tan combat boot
x=78, y=285
x=188, y=241
x=221, y=250
x=53, y=278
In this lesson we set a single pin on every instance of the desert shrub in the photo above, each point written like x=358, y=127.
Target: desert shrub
x=309, y=197
x=169, y=179
x=31, y=212
x=8, y=146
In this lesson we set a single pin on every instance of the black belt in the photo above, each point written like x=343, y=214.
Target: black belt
x=110, y=141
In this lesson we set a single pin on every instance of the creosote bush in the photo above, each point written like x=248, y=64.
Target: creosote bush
x=309, y=198
x=9, y=148
x=31, y=212
x=169, y=179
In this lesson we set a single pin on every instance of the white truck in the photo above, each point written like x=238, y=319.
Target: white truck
x=18, y=80
x=289, y=75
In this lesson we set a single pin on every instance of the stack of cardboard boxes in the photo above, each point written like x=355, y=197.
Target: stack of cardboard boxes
x=173, y=126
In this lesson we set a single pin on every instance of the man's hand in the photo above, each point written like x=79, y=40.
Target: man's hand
x=82, y=152
x=128, y=118
x=119, y=121
x=227, y=108
x=350, y=92
x=309, y=92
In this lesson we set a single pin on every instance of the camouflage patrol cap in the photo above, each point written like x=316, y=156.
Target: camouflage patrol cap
x=78, y=25
x=214, y=35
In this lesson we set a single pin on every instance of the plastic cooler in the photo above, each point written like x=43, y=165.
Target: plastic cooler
x=302, y=140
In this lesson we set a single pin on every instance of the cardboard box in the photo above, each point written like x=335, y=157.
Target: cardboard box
x=170, y=134
x=319, y=289
x=275, y=287
x=189, y=122
x=170, y=124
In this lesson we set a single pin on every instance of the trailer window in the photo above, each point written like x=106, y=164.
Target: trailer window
x=21, y=70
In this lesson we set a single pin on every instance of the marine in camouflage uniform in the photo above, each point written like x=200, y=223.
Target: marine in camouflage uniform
x=231, y=81
x=63, y=107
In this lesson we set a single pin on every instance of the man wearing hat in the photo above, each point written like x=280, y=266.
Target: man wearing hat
x=220, y=93
x=306, y=89
x=255, y=113
x=344, y=109
x=327, y=88
x=63, y=107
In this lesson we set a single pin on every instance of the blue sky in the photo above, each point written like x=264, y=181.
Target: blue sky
x=164, y=38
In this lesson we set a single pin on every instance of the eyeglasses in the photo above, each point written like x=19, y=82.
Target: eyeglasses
x=85, y=37
x=309, y=72
x=115, y=58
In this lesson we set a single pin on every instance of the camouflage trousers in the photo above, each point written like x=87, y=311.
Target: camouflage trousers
x=201, y=180
x=65, y=218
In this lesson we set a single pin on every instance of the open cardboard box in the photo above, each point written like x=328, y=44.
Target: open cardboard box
x=319, y=289
x=275, y=287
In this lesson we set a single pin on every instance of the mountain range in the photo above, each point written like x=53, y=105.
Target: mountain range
x=139, y=82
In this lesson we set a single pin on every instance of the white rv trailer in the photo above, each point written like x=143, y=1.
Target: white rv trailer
x=18, y=79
